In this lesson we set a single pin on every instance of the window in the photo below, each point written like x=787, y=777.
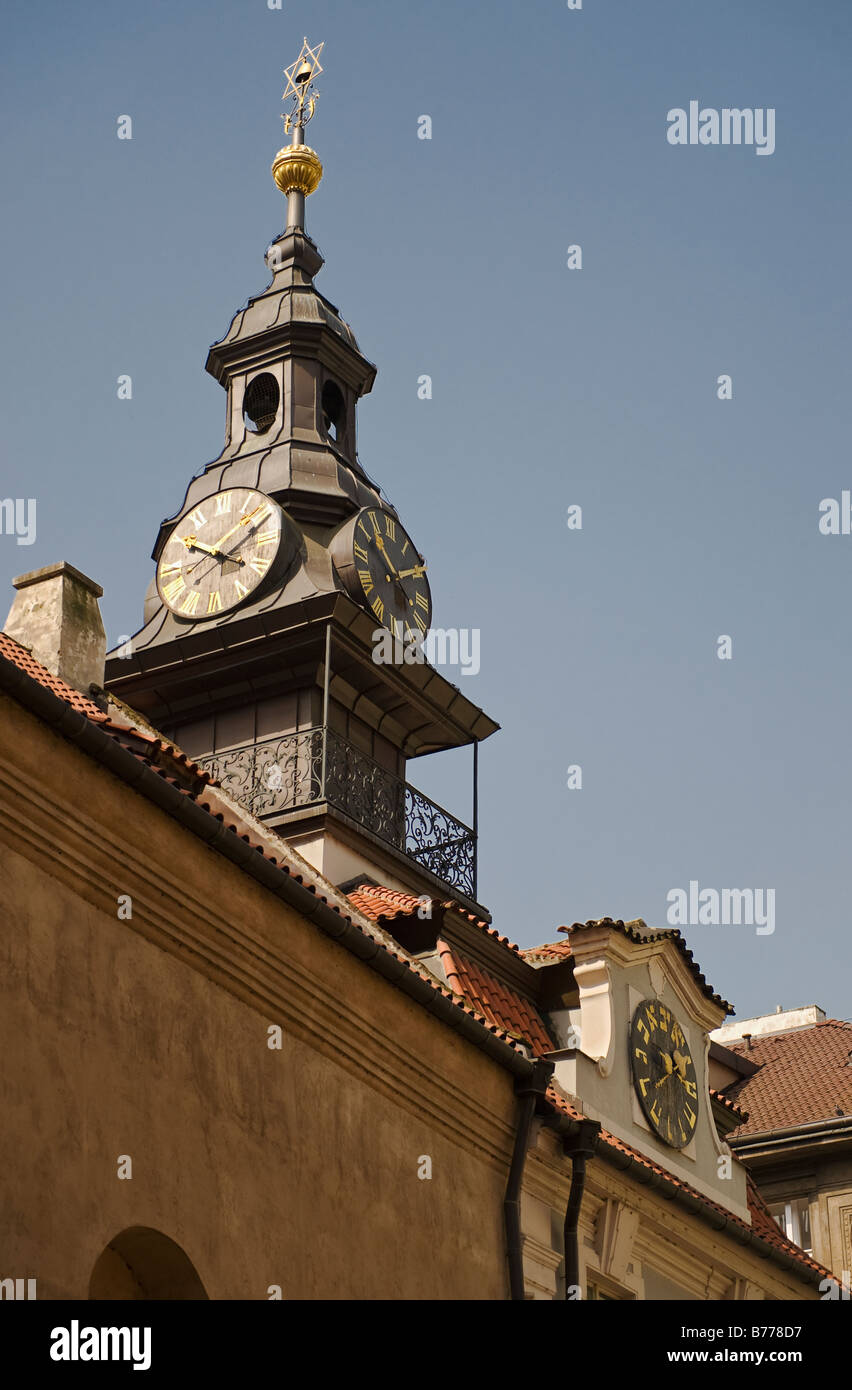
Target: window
x=260, y=403
x=794, y=1218
x=333, y=412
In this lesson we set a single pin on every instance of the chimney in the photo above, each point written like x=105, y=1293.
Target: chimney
x=55, y=615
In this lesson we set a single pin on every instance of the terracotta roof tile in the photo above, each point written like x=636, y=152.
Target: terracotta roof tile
x=502, y=1005
x=375, y=902
x=378, y=901
x=720, y=1098
x=804, y=1076
x=550, y=953
x=636, y=930
x=26, y=662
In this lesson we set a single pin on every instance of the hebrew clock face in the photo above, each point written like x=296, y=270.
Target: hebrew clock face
x=663, y=1073
x=391, y=574
x=219, y=552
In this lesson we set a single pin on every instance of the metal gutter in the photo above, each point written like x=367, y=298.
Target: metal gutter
x=531, y=1094
x=830, y=1128
x=581, y=1147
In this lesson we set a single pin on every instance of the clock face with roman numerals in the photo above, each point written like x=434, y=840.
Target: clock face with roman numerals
x=391, y=574
x=219, y=552
x=663, y=1073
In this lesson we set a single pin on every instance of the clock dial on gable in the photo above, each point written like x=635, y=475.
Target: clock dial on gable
x=663, y=1073
x=221, y=551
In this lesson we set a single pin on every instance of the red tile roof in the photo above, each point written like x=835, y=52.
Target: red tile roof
x=804, y=1076
x=502, y=1005
x=548, y=954
x=378, y=902
x=720, y=1098
x=509, y=1015
x=26, y=662
x=174, y=766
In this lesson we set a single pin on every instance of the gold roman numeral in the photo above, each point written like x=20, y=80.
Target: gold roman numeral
x=190, y=603
x=173, y=568
x=267, y=538
x=240, y=588
x=374, y=519
x=422, y=601
x=258, y=564
x=198, y=518
x=419, y=621
x=247, y=504
x=366, y=581
x=214, y=602
x=379, y=609
x=362, y=554
x=171, y=591
x=390, y=528
x=223, y=503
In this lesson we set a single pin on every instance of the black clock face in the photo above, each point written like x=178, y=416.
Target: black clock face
x=663, y=1073
x=220, y=552
x=392, y=574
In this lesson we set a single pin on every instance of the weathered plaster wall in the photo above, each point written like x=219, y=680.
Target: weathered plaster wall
x=149, y=1038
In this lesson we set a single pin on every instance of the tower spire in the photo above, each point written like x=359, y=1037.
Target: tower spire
x=297, y=168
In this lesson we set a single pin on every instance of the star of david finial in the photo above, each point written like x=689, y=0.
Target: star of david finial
x=300, y=79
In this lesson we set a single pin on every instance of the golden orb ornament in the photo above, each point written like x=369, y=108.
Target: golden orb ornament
x=297, y=169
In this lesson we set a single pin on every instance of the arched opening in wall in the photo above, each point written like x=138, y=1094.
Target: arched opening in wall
x=260, y=403
x=333, y=412
x=142, y=1264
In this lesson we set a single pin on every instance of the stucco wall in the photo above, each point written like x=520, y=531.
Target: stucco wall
x=149, y=1038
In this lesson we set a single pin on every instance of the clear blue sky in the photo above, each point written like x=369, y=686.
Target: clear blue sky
x=551, y=387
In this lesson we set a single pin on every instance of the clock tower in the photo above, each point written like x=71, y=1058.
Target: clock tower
x=283, y=581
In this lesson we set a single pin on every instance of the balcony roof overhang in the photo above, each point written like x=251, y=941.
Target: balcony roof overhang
x=215, y=667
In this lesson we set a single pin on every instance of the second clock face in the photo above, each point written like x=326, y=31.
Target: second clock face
x=663, y=1073
x=219, y=553
x=392, y=574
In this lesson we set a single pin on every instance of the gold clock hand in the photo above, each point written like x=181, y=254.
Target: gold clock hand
x=388, y=561
x=417, y=570
x=192, y=543
x=243, y=521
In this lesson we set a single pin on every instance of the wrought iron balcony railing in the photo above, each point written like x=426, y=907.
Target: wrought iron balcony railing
x=317, y=765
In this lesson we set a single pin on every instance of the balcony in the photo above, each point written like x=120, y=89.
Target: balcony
x=316, y=766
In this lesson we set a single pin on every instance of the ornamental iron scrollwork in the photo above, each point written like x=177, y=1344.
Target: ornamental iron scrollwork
x=442, y=844
x=281, y=774
x=371, y=795
x=275, y=775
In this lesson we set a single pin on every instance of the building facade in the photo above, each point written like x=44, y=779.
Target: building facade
x=260, y=1037
x=791, y=1071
